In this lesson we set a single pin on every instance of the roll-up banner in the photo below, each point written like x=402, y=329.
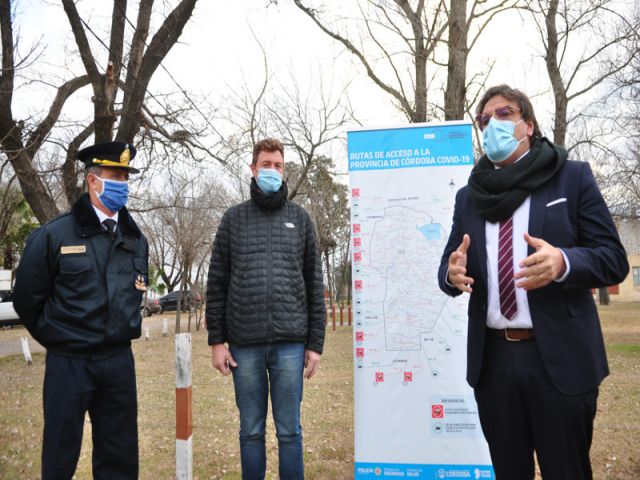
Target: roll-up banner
x=415, y=415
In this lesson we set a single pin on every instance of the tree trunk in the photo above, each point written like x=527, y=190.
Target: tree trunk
x=603, y=296
x=329, y=283
x=420, y=101
x=33, y=189
x=455, y=94
x=8, y=257
x=559, y=90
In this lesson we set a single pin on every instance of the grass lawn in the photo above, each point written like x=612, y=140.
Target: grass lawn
x=327, y=410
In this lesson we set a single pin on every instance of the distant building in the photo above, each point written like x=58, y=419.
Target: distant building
x=629, y=290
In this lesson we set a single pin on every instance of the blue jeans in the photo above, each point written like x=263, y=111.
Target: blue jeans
x=278, y=366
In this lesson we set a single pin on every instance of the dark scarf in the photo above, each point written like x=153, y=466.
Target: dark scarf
x=268, y=201
x=497, y=192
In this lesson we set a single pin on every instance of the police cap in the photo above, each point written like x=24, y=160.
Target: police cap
x=109, y=154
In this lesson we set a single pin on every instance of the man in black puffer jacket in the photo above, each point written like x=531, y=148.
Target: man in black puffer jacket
x=265, y=297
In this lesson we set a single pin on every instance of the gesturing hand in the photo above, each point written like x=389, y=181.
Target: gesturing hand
x=542, y=267
x=458, y=267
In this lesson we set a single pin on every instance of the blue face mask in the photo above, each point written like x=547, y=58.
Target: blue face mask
x=269, y=180
x=115, y=195
x=498, y=140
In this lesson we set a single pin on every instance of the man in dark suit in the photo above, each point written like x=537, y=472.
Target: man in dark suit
x=531, y=237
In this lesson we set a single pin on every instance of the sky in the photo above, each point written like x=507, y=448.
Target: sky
x=219, y=52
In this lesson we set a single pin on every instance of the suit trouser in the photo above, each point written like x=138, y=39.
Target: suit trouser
x=106, y=388
x=522, y=411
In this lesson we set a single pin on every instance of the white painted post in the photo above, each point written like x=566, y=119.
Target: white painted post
x=165, y=327
x=184, y=408
x=146, y=333
x=25, y=350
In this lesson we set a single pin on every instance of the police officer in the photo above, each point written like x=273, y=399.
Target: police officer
x=78, y=291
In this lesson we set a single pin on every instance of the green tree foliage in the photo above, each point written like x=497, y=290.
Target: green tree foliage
x=16, y=223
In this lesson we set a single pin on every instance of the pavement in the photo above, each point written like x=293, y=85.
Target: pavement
x=10, y=337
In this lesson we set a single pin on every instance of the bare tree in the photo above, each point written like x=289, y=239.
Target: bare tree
x=326, y=201
x=577, y=67
x=407, y=36
x=581, y=50
x=180, y=222
x=21, y=141
x=307, y=122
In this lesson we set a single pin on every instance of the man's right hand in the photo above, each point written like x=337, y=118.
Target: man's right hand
x=221, y=358
x=458, y=267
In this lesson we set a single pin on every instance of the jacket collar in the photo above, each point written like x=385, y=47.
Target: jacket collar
x=88, y=224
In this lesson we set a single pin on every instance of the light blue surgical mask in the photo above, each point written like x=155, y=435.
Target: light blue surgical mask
x=115, y=194
x=498, y=140
x=269, y=180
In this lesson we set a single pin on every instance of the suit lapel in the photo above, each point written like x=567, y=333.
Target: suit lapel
x=478, y=244
x=537, y=212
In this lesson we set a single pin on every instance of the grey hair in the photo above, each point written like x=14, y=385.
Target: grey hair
x=94, y=169
x=97, y=171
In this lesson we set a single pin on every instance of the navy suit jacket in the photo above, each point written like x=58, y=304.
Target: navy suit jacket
x=564, y=314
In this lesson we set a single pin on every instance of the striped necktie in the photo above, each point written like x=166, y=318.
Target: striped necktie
x=508, y=306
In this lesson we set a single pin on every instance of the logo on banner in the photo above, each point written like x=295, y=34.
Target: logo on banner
x=357, y=242
x=356, y=228
x=355, y=192
x=408, y=376
x=437, y=411
x=359, y=336
x=379, y=377
x=359, y=352
x=357, y=257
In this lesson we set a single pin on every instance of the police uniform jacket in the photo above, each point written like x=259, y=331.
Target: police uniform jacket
x=78, y=289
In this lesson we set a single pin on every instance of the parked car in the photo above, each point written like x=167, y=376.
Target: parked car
x=150, y=306
x=8, y=316
x=191, y=300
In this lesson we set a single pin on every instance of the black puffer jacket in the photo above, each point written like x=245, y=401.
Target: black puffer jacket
x=265, y=277
x=77, y=291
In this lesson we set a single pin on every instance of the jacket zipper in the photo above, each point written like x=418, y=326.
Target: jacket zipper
x=269, y=278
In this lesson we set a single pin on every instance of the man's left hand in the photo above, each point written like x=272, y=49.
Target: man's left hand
x=311, y=363
x=542, y=267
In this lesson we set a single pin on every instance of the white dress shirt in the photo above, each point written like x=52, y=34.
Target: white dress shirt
x=522, y=318
x=495, y=319
x=103, y=216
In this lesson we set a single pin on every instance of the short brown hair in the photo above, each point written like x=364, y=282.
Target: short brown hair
x=514, y=95
x=267, y=145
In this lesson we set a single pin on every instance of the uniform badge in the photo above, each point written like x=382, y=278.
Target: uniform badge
x=68, y=249
x=140, y=283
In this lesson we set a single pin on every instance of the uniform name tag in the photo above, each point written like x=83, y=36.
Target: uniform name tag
x=73, y=249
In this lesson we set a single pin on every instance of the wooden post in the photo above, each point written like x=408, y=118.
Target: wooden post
x=25, y=350
x=341, y=322
x=165, y=327
x=184, y=408
x=146, y=333
x=349, y=314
